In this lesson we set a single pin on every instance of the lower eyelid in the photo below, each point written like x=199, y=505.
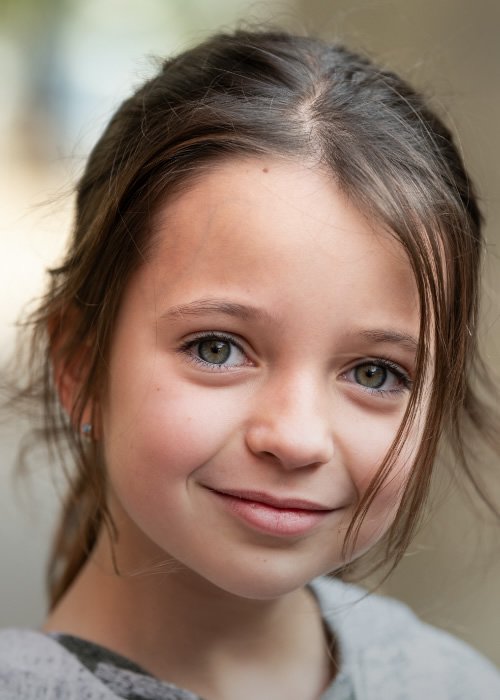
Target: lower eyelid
x=404, y=381
x=189, y=344
x=381, y=392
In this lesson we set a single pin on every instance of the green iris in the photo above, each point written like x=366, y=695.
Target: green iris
x=214, y=351
x=371, y=376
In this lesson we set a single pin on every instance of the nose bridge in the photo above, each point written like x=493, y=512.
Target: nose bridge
x=291, y=420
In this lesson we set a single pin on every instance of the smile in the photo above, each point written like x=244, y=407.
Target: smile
x=287, y=517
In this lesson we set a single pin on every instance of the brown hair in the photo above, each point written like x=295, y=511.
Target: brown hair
x=251, y=93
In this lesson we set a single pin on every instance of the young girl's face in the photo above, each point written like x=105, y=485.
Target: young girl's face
x=260, y=368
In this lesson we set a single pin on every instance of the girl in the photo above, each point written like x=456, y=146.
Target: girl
x=263, y=327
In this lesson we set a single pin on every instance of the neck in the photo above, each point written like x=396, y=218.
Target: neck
x=181, y=628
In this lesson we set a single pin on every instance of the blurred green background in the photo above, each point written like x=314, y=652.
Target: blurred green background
x=64, y=66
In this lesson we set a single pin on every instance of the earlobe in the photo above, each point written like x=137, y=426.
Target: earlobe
x=86, y=430
x=69, y=385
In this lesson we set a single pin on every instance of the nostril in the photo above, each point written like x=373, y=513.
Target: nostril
x=288, y=441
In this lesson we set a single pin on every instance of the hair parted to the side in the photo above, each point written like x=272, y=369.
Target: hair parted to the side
x=265, y=93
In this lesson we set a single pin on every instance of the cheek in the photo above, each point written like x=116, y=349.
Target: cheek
x=167, y=430
x=383, y=509
x=364, y=442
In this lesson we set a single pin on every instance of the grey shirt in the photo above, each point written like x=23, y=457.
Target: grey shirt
x=386, y=654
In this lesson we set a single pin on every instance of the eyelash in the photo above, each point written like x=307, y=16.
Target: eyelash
x=186, y=348
x=404, y=381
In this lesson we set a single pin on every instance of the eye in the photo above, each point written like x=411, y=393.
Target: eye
x=379, y=377
x=214, y=351
x=371, y=376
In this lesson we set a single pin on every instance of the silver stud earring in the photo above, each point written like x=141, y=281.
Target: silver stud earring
x=86, y=430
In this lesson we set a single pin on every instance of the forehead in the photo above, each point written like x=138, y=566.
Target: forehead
x=281, y=231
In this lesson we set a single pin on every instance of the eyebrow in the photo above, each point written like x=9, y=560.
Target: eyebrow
x=214, y=306
x=389, y=336
x=204, y=307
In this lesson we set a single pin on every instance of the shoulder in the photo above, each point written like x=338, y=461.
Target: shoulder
x=35, y=667
x=385, y=645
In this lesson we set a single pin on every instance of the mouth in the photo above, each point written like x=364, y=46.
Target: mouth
x=286, y=517
x=275, y=502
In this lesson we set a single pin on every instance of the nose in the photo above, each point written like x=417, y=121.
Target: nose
x=291, y=424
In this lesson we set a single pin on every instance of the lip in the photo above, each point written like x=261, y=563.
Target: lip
x=285, y=517
x=274, y=501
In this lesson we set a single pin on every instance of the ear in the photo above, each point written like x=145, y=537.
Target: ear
x=68, y=380
x=70, y=367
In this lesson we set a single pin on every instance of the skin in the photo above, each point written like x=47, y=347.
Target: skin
x=323, y=296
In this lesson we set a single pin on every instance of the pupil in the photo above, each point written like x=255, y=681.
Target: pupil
x=371, y=376
x=214, y=351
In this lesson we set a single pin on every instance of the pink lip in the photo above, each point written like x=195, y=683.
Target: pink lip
x=289, y=517
x=282, y=503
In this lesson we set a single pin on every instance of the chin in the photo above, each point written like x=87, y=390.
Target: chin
x=267, y=581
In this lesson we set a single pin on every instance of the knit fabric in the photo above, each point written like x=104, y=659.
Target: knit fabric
x=386, y=653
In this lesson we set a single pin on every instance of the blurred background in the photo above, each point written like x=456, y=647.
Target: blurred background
x=64, y=67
